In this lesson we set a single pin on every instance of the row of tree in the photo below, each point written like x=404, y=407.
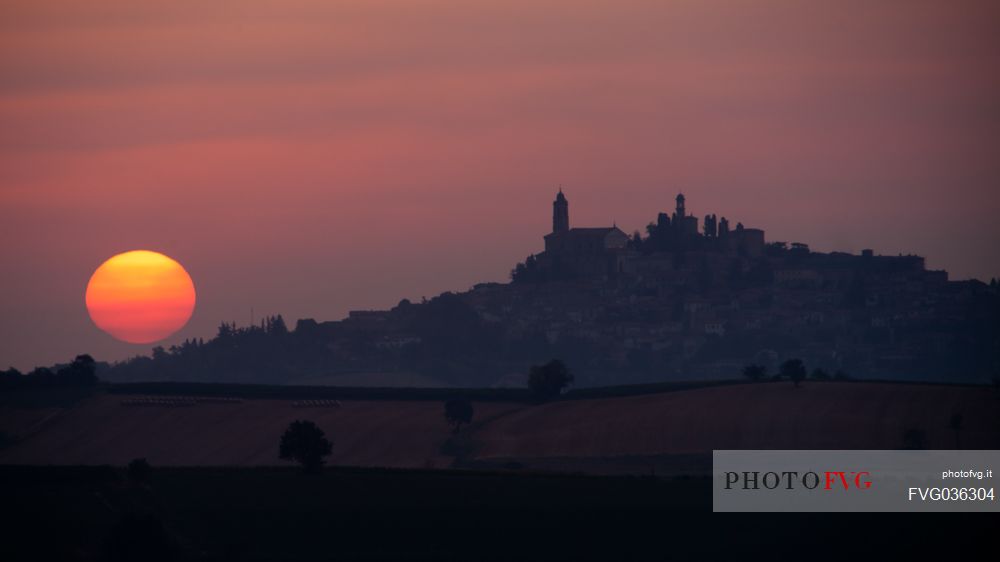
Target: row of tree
x=81, y=372
x=793, y=370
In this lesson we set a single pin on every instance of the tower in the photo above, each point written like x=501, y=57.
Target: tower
x=560, y=213
x=680, y=206
x=663, y=221
x=711, y=229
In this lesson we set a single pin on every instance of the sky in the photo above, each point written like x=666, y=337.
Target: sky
x=314, y=157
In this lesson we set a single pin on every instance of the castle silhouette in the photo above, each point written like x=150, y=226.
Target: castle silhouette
x=572, y=252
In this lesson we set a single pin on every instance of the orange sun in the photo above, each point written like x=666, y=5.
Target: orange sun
x=140, y=296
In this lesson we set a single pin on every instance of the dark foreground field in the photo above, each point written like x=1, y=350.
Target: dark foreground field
x=665, y=431
x=603, y=477
x=96, y=513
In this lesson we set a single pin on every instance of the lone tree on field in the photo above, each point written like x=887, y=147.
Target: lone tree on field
x=458, y=411
x=795, y=370
x=305, y=443
x=548, y=381
x=755, y=372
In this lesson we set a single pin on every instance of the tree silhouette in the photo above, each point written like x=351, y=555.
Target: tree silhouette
x=458, y=411
x=755, y=372
x=11, y=378
x=276, y=325
x=547, y=381
x=306, y=444
x=81, y=372
x=794, y=370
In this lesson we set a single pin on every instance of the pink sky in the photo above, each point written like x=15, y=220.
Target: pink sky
x=308, y=158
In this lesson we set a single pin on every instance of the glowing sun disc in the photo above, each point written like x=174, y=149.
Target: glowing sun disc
x=140, y=296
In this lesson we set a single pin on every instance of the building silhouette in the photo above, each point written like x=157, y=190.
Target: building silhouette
x=607, y=251
x=574, y=252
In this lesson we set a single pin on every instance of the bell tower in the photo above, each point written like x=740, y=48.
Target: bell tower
x=560, y=213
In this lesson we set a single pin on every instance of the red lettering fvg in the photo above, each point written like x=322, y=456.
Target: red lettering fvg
x=859, y=480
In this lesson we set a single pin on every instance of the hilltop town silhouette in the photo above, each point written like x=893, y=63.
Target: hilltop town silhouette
x=681, y=302
x=608, y=251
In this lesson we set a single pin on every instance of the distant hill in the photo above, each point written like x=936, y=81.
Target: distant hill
x=679, y=303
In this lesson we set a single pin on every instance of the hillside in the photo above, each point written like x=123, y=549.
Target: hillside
x=666, y=432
